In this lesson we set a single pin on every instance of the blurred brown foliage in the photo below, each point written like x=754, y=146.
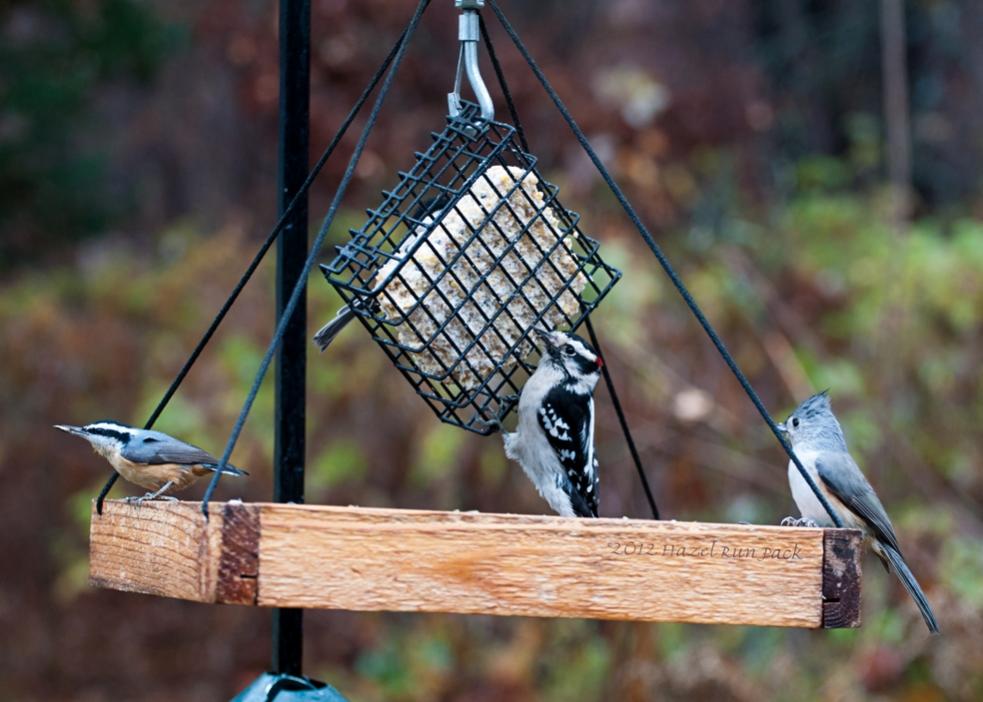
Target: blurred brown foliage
x=749, y=136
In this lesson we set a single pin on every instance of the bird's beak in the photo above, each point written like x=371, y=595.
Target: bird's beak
x=781, y=427
x=77, y=431
x=545, y=336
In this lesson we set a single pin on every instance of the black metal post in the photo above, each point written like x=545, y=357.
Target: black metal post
x=291, y=362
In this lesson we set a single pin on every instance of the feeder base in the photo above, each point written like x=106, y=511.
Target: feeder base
x=313, y=556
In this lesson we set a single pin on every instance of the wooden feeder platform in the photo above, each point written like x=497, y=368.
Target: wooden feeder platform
x=354, y=558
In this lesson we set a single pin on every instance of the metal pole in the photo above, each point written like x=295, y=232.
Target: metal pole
x=291, y=362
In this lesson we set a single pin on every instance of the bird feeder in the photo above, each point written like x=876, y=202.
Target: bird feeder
x=460, y=261
x=464, y=255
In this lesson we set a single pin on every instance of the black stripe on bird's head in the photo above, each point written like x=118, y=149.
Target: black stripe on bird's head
x=571, y=354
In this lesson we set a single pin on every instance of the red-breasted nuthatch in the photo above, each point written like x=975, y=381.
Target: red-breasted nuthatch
x=151, y=459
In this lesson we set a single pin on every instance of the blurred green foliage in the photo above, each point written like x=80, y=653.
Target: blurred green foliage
x=907, y=388
x=55, y=57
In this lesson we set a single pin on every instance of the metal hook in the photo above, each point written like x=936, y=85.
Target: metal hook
x=469, y=34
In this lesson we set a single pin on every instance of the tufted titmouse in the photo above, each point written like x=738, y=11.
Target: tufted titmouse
x=818, y=441
x=151, y=459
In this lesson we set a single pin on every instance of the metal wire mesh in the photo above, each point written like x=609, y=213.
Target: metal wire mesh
x=457, y=264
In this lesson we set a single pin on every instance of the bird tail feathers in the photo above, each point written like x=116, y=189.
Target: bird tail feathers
x=228, y=470
x=329, y=331
x=911, y=585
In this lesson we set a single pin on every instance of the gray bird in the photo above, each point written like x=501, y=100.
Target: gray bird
x=820, y=445
x=151, y=459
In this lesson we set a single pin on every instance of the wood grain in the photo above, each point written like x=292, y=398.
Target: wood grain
x=425, y=561
x=238, y=565
x=158, y=548
x=841, y=578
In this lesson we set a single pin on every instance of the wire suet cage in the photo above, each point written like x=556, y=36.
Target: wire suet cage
x=469, y=252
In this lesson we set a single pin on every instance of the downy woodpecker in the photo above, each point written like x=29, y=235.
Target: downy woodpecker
x=554, y=439
x=151, y=459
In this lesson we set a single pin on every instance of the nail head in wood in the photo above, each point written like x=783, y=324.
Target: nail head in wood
x=238, y=568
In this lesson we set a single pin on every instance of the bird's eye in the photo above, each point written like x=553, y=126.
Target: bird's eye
x=795, y=422
x=150, y=440
x=569, y=350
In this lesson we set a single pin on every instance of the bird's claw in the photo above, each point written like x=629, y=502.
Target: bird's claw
x=131, y=500
x=493, y=424
x=803, y=522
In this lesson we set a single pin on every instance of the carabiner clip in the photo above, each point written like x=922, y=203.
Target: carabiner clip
x=469, y=34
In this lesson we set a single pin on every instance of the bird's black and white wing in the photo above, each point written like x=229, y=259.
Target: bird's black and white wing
x=843, y=477
x=157, y=448
x=567, y=420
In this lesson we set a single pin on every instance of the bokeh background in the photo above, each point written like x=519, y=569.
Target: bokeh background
x=809, y=165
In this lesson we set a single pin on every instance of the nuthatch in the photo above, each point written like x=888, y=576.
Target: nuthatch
x=151, y=459
x=820, y=445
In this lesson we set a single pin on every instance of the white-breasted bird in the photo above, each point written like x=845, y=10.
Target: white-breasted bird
x=153, y=460
x=554, y=439
x=818, y=441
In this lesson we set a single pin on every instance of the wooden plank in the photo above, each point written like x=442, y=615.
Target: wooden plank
x=841, y=578
x=238, y=566
x=426, y=561
x=541, y=566
x=159, y=548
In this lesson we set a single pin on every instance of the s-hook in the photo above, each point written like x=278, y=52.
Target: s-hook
x=469, y=34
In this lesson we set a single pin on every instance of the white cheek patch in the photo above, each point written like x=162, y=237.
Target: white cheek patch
x=585, y=352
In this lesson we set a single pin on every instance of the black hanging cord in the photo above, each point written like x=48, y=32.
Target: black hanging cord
x=663, y=261
x=605, y=371
x=635, y=457
x=301, y=286
x=500, y=75
x=260, y=254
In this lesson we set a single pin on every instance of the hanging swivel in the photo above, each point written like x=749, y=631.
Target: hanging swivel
x=469, y=34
